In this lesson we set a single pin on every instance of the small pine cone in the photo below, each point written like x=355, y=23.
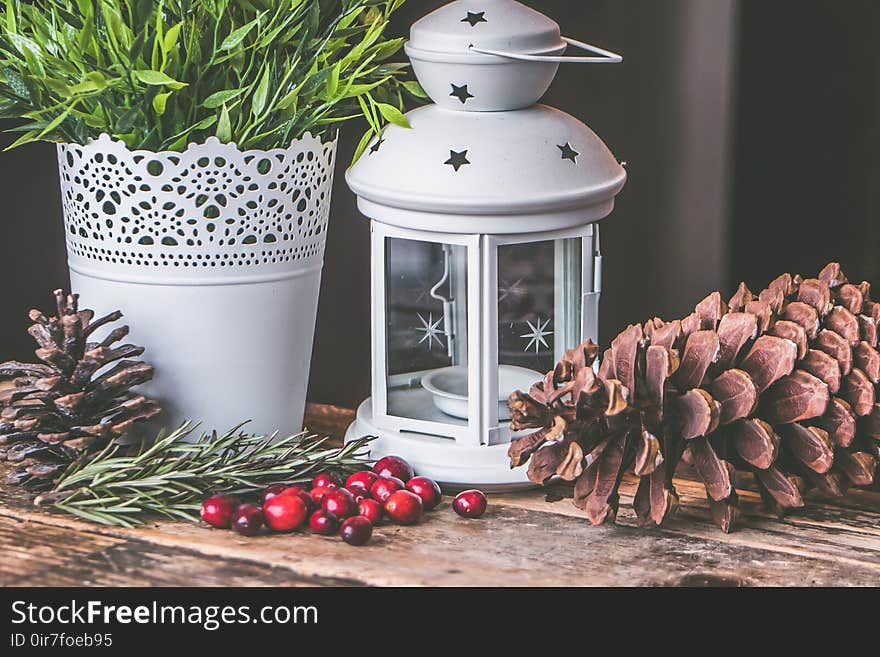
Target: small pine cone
x=782, y=385
x=70, y=402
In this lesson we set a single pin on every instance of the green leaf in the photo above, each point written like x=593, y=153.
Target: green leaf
x=388, y=48
x=170, y=38
x=218, y=98
x=204, y=124
x=355, y=90
x=69, y=18
x=85, y=87
x=415, y=89
x=160, y=101
x=157, y=78
x=289, y=101
x=135, y=50
x=127, y=120
x=368, y=113
x=237, y=36
x=27, y=127
x=54, y=123
x=362, y=146
x=119, y=31
x=261, y=93
x=393, y=115
x=24, y=139
x=224, y=126
x=179, y=141
x=16, y=83
x=10, y=16
x=313, y=18
x=332, y=85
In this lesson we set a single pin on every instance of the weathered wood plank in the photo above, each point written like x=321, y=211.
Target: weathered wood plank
x=41, y=554
x=510, y=546
x=326, y=420
x=844, y=542
x=524, y=540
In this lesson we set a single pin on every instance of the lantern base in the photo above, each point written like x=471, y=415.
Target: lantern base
x=441, y=459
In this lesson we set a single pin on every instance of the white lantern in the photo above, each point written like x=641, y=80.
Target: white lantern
x=485, y=248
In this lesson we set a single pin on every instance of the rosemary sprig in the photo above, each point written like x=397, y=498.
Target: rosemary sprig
x=171, y=476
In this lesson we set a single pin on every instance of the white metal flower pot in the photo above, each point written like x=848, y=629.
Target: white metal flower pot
x=214, y=256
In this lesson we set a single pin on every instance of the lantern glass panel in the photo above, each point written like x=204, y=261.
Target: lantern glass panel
x=426, y=324
x=540, y=303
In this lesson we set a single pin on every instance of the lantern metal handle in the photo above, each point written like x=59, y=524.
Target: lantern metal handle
x=606, y=56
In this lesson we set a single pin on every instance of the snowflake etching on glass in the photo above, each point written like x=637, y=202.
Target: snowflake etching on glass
x=537, y=335
x=431, y=330
x=512, y=291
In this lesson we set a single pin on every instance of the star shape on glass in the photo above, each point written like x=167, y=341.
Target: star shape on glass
x=461, y=93
x=505, y=290
x=457, y=160
x=430, y=328
x=475, y=18
x=375, y=147
x=568, y=153
x=536, y=336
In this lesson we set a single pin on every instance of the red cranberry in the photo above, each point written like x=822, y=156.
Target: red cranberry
x=303, y=494
x=272, y=491
x=371, y=510
x=319, y=493
x=364, y=479
x=361, y=493
x=323, y=523
x=470, y=504
x=218, y=510
x=326, y=479
x=356, y=530
x=404, y=507
x=427, y=489
x=393, y=466
x=247, y=520
x=339, y=503
x=284, y=513
x=384, y=486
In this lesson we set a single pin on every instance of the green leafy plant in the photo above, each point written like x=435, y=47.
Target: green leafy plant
x=159, y=74
x=171, y=476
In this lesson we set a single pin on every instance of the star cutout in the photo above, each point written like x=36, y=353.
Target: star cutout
x=430, y=328
x=375, y=147
x=461, y=93
x=475, y=18
x=457, y=160
x=568, y=153
x=537, y=335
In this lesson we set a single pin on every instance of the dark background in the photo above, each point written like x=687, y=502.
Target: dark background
x=751, y=132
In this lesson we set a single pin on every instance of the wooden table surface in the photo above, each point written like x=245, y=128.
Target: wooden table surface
x=523, y=540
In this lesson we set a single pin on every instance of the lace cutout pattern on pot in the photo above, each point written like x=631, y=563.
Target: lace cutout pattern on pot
x=210, y=206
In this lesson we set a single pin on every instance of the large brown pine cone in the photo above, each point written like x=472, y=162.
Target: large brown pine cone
x=71, y=401
x=782, y=385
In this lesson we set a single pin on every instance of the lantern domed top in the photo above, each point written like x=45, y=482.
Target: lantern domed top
x=530, y=170
x=485, y=158
x=455, y=28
